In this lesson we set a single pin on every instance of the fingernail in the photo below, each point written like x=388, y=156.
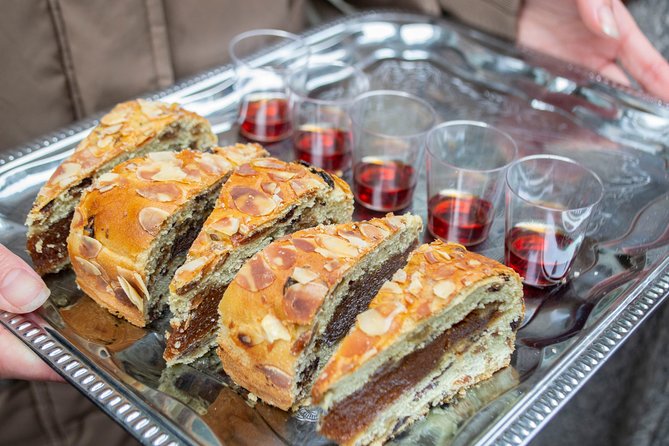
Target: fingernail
x=608, y=22
x=23, y=290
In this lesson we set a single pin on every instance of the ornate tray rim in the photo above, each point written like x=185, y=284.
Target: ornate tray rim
x=548, y=395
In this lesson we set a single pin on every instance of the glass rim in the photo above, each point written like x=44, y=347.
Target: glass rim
x=294, y=38
x=562, y=159
x=337, y=63
x=465, y=122
x=397, y=93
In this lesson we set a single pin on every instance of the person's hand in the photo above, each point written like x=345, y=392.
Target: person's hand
x=21, y=291
x=596, y=34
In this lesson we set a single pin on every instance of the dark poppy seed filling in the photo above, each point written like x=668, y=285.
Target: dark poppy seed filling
x=53, y=243
x=358, y=410
x=360, y=294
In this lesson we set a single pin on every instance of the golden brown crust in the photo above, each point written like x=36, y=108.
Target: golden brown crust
x=256, y=198
x=119, y=217
x=255, y=195
x=270, y=306
x=126, y=128
x=430, y=283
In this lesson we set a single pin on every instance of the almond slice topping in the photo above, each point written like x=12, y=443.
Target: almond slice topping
x=443, y=288
x=432, y=256
x=245, y=170
x=281, y=175
x=107, y=178
x=391, y=287
x=337, y=246
x=151, y=219
x=400, y=276
x=165, y=156
x=269, y=187
x=147, y=171
x=396, y=221
x=150, y=109
x=244, y=229
x=303, y=244
x=227, y=225
x=276, y=376
x=111, y=129
x=303, y=275
x=251, y=201
x=302, y=185
x=274, y=329
x=331, y=265
x=131, y=293
x=169, y=172
x=255, y=275
x=372, y=232
x=66, y=173
x=281, y=255
x=162, y=192
x=302, y=301
x=191, y=266
x=104, y=142
x=353, y=238
x=89, y=247
x=213, y=164
x=88, y=267
x=139, y=281
x=235, y=156
x=113, y=118
x=416, y=284
x=270, y=163
x=372, y=323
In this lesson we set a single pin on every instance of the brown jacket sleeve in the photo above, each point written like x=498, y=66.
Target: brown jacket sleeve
x=497, y=17
x=81, y=57
x=66, y=59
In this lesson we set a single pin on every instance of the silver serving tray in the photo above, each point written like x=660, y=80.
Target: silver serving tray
x=619, y=278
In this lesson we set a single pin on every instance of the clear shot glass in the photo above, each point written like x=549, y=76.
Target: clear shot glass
x=549, y=201
x=389, y=130
x=466, y=167
x=320, y=97
x=263, y=59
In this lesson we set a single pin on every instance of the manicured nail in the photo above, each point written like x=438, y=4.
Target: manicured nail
x=23, y=290
x=608, y=22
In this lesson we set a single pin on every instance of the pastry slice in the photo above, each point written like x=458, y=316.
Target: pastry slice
x=131, y=129
x=287, y=308
x=133, y=227
x=263, y=200
x=443, y=323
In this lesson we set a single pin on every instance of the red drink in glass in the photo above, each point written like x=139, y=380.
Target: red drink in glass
x=541, y=254
x=325, y=147
x=458, y=217
x=384, y=185
x=265, y=118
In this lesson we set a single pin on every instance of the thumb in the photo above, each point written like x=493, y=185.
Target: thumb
x=598, y=17
x=21, y=289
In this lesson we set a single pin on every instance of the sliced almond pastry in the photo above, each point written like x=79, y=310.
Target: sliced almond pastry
x=311, y=286
x=253, y=209
x=426, y=337
x=131, y=129
x=127, y=241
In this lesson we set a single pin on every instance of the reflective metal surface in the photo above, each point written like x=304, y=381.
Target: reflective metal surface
x=619, y=277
